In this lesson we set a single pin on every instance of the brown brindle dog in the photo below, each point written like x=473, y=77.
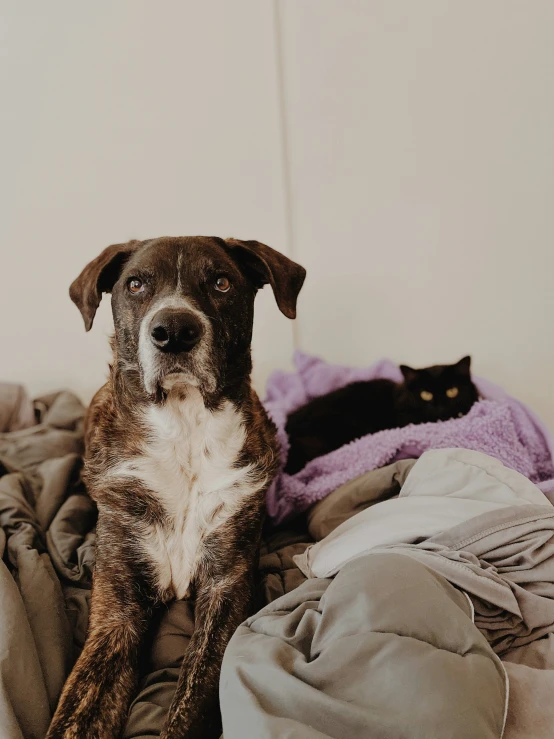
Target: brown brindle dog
x=179, y=454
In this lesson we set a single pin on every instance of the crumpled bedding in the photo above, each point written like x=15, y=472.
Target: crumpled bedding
x=499, y=425
x=495, y=541
x=16, y=409
x=47, y=541
x=41, y=465
x=385, y=649
x=500, y=559
x=443, y=489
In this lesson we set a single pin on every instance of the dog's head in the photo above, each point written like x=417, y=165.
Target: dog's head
x=183, y=307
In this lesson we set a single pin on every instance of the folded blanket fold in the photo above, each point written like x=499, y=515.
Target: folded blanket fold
x=484, y=527
x=16, y=409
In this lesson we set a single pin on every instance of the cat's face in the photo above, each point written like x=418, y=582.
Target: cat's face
x=441, y=392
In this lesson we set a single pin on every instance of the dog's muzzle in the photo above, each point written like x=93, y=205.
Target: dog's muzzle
x=175, y=345
x=174, y=331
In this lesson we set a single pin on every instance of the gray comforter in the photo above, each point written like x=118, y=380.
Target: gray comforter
x=386, y=649
x=424, y=575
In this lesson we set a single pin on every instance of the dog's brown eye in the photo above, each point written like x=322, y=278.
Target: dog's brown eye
x=222, y=284
x=135, y=285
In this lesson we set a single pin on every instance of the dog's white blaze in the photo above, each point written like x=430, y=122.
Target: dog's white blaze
x=149, y=356
x=188, y=463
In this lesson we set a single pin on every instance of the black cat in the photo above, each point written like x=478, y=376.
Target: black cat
x=330, y=421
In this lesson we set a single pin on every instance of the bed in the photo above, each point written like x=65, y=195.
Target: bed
x=413, y=599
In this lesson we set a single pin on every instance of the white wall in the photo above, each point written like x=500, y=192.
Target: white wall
x=403, y=152
x=129, y=120
x=421, y=149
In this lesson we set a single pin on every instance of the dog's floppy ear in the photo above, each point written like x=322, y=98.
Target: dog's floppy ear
x=265, y=265
x=99, y=276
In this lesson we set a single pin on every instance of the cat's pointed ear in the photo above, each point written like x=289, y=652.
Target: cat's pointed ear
x=463, y=367
x=409, y=373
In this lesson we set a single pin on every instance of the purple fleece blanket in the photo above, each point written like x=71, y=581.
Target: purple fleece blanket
x=498, y=425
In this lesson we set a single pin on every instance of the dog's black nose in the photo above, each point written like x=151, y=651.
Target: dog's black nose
x=175, y=331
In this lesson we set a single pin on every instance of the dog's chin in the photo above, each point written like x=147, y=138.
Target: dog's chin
x=178, y=380
x=175, y=381
x=165, y=374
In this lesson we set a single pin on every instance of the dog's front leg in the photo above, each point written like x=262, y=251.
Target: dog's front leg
x=221, y=606
x=96, y=696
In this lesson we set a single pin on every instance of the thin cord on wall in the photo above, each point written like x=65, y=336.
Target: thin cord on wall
x=285, y=148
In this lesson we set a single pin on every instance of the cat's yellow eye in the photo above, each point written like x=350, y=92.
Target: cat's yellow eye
x=452, y=392
x=426, y=395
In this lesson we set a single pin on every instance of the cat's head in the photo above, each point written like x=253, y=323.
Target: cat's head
x=440, y=392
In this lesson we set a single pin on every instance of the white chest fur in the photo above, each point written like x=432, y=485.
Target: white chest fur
x=188, y=464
